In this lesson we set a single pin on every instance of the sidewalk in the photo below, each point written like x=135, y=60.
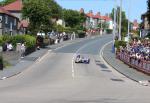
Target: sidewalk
x=124, y=69
x=21, y=64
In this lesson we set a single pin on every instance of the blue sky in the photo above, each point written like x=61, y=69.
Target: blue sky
x=137, y=7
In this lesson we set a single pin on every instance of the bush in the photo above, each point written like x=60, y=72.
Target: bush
x=81, y=33
x=1, y=41
x=17, y=39
x=30, y=41
x=120, y=43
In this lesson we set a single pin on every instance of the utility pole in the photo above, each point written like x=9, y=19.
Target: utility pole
x=128, y=19
x=114, y=28
x=128, y=25
x=120, y=20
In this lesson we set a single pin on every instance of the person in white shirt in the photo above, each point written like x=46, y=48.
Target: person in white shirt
x=23, y=49
x=9, y=47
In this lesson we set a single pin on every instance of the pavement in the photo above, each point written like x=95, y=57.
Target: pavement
x=122, y=68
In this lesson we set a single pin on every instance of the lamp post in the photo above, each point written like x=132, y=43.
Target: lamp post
x=128, y=25
x=120, y=20
x=114, y=27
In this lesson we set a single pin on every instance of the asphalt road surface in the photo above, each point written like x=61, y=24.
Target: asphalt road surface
x=55, y=78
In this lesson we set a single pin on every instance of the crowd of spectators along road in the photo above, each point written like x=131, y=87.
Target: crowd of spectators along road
x=138, y=50
x=54, y=38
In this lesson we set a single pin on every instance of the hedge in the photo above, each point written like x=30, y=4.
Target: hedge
x=30, y=40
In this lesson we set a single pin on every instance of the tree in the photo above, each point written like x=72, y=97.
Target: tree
x=74, y=19
x=124, y=23
x=40, y=14
x=71, y=17
x=148, y=3
x=5, y=2
x=56, y=10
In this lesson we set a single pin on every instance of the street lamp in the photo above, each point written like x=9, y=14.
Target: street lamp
x=120, y=20
x=128, y=25
x=114, y=27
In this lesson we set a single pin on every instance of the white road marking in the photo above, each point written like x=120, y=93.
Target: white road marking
x=115, y=72
x=73, y=70
x=41, y=58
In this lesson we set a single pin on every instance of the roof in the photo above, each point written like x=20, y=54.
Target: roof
x=106, y=18
x=98, y=16
x=15, y=6
x=2, y=10
x=90, y=15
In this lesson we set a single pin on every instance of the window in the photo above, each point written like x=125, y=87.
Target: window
x=11, y=26
x=0, y=19
x=15, y=22
x=6, y=19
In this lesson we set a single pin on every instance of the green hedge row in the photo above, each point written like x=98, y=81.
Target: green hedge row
x=30, y=40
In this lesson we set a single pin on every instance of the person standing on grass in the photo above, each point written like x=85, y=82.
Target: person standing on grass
x=23, y=49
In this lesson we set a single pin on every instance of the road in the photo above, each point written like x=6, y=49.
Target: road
x=55, y=78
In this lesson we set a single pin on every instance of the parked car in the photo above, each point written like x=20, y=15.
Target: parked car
x=82, y=59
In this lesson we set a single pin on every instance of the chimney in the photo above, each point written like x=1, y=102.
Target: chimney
x=107, y=15
x=98, y=13
x=81, y=10
x=90, y=11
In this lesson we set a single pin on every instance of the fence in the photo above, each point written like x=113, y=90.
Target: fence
x=139, y=64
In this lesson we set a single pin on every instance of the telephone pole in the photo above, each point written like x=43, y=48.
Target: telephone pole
x=114, y=26
x=120, y=20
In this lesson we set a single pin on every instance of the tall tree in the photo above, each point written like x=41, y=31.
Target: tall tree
x=73, y=18
x=40, y=14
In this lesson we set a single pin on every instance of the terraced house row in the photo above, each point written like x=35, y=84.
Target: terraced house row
x=95, y=21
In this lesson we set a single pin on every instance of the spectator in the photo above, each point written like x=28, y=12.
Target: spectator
x=9, y=47
x=5, y=46
x=23, y=48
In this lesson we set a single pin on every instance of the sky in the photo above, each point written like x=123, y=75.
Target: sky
x=136, y=7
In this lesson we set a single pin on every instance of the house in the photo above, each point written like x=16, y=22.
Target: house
x=15, y=8
x=96, y=21
x=145, y=25
x=8, y=22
